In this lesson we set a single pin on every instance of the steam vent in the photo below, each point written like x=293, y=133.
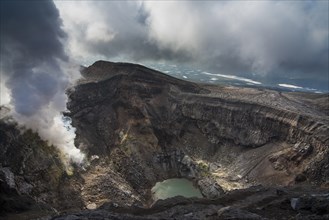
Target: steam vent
x=243, y=152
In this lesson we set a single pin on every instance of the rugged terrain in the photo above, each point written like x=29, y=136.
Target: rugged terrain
x=139, y=126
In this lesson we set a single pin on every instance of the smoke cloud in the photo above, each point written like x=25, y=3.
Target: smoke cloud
x=33, y=61
x=268, y=39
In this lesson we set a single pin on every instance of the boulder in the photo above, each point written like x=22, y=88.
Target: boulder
x=210, y=188
x=316, y=203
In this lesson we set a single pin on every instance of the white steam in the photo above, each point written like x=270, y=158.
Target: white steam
x=48, y=120
x=36, y=72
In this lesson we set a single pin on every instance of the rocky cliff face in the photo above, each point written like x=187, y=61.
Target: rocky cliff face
x=33, y=179
x=146, y=119
x=139, y=126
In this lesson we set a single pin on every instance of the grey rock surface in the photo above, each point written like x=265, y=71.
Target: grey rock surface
x=139, y=126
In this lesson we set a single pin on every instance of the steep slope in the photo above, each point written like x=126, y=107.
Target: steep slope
x=148, y=127
x=33, y=180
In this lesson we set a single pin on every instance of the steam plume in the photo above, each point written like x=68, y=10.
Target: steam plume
x=32, y=63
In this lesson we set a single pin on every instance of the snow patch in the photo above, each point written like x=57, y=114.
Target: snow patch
x=289, y=86
x=233, y=77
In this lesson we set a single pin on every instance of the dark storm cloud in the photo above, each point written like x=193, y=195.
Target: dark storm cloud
x=266, y=38
x=30, y=50
x=113, y=29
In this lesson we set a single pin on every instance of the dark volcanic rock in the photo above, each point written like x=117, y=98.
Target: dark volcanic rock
x=143, y=118
x=139, y=126
x=210, y=188
x=236, y=213
x=33, y=179
x=151, y=127
x=253, y=203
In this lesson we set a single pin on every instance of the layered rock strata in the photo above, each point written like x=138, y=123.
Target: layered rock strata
x=139, y=126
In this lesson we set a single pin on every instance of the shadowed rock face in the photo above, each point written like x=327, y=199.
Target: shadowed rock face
x=139, y=126
x=150, y=122
x=32, y=177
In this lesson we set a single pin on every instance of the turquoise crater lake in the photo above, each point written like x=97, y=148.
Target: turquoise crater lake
x=175, y=187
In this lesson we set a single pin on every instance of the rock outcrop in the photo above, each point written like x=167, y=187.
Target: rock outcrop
x=252, y=203
x=33, y=179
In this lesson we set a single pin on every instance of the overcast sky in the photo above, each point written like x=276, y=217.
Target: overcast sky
x=280, y=41
x=267, y=38
x=272, y=40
